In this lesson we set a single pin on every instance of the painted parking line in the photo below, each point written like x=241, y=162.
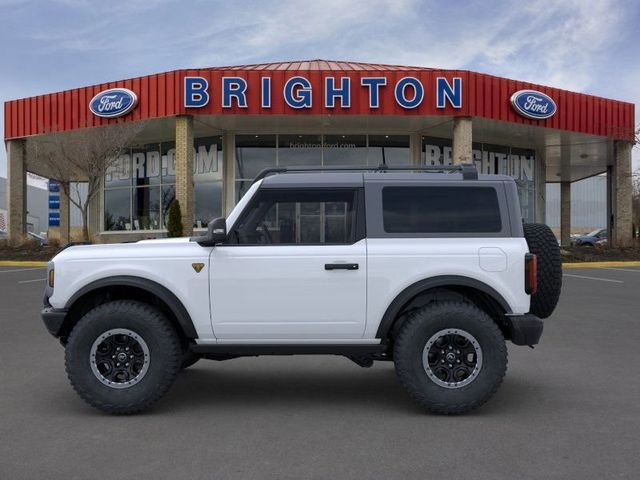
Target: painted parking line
x=22, y=270
x=31, y=281
x=593, y=278
x=637, y=270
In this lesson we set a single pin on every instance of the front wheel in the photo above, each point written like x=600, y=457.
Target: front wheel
x=451, y=357
x=123, y=356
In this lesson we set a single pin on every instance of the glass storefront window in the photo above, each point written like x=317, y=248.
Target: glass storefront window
x=208, y=203
x=389, y=149
x=151, y=169
x=168, y=193
x=253, y=154
x=146, y=208
x=299, y=150
x=117, y=209
x=344, y=150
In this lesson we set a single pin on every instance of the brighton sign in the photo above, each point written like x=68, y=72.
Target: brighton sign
x=113, y=103
x=297, y=92
x=533, y=104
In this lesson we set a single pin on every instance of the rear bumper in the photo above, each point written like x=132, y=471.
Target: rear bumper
x=524, y=329
x=53, y=319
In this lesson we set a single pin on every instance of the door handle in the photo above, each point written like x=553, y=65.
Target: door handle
x=341, y=266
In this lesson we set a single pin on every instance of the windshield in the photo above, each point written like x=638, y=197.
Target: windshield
x=594, y=233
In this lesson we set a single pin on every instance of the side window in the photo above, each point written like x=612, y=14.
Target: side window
x=298, y=217
x=439, y=209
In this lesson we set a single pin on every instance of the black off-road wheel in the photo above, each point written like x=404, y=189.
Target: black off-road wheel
x=450, y=357
x=122, y=356
x=542, y=242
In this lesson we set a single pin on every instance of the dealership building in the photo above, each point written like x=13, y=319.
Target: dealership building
x=208, y=132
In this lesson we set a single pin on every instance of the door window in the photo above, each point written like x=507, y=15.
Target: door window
x=293, y=217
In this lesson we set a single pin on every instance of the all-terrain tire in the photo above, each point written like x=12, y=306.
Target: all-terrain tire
x=410, y=344
x=542, y=242
x=149, y=324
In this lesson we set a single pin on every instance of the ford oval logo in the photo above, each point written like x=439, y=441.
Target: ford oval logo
x=533, y=104
x=114, y=102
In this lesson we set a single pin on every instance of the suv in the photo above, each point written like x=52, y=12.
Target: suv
x=429, y=267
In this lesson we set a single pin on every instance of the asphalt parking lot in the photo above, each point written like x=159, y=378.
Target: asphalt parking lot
x=570, y=409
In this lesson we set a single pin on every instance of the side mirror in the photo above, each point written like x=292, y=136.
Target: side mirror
x=216, y=233
x=217, y=230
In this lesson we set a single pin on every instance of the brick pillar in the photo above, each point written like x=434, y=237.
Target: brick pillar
x=415, y=144
x=622, y=235
x=65, y=226
x=462, y=140
x=184, y=171
x=16, y=191
x=565, y=213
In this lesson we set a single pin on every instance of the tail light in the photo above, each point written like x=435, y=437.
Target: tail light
x=530, y=273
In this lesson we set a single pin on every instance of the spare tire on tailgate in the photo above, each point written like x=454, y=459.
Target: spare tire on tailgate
x=542, y=242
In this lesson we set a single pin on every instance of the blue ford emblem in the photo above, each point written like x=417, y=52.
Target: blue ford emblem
x=533, y=104
x=114, y=102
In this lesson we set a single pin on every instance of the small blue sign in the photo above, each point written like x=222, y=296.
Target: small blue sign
x=113, y=103
x=54, y=187
x=533, y=104
x=54, y=203
x=54, y=219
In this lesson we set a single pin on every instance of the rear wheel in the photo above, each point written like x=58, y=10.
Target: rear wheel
x=543, y=243
x=122, y=356
x=451, y=357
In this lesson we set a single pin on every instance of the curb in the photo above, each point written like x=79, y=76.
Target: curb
x=601, y=264
x=21, y=263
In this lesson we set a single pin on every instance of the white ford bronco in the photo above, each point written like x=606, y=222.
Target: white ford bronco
x=429, y=267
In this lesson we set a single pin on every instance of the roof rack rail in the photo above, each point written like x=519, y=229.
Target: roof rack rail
x=468, y=170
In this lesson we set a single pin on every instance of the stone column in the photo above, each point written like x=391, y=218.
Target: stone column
x=65, y=227
x=565, y=213
x=184, y=171
x=415, y=147
x=622, y=235
x=228, y=173
x=16, y=191
x=462, y=140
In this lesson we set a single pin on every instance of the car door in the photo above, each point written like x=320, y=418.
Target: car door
x=294, y=268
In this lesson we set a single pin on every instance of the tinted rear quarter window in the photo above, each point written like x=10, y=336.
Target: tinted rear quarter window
x=441, y=209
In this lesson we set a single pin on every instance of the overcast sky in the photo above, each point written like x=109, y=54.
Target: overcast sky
x=589, y=46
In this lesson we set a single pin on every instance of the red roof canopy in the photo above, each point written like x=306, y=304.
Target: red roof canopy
x=161, y=95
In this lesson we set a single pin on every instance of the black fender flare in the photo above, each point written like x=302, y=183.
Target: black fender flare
x=427, y=284
x=154, y=288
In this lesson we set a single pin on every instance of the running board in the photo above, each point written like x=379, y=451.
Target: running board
x=284, y=349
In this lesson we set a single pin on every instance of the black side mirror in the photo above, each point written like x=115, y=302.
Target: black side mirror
x=216, y=233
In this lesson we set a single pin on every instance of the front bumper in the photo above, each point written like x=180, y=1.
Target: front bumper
x=53, y=319
x=524, y=329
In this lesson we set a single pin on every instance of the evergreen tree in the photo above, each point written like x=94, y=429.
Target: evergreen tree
x=174, y=224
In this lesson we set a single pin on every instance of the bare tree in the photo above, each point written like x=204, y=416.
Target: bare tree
x=82, y=156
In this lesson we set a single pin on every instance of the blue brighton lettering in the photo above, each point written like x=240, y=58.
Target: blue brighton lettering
x=234, y=87
x=297, y=92
x=444, y=92
x=331, y=92
x=400, y=92
x=195, y=92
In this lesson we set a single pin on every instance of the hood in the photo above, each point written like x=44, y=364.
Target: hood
x=160, y=248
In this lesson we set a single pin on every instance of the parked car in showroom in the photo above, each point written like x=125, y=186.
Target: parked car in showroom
x=597, y=237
